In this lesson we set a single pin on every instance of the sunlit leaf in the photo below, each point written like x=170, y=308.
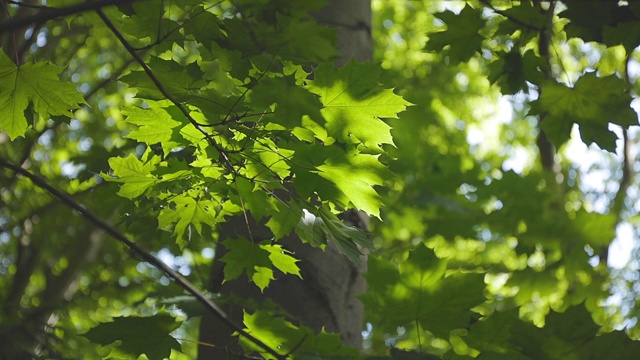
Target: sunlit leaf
x=35, y=83
x=280, y=334
x=134, y=175
x=154, y=124
x=187, y=211
x=354, y=103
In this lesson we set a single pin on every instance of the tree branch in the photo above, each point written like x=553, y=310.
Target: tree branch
x=143, y=254
x=547, y=149
x=49, y=13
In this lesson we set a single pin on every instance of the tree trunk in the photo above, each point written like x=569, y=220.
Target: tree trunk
x=326, y=296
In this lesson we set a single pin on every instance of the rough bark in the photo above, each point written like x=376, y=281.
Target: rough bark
x=326, y=296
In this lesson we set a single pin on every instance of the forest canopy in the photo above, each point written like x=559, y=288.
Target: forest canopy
x=475, y=167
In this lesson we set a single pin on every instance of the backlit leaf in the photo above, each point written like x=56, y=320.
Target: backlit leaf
x=36, y=84
x=354, y=103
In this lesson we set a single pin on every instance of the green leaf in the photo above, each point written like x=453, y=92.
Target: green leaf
x=134, y=175
x=572, y=334
x=281, y=259
x=302, y=41
x=349, y=240
x=302, y=342
x=517, y=15
x=247, y=257
x=419, y=291
x=186, y=211
x=179, y=81
x=493, y=333
x=155, y=124
x=346, y=238
x=347, y=180
x=582, y=22
x=37, y=84
x=291, y=101
x=138, y=335
x=626, y=34
x=355, y=177
x=592, y=103
x=354, y=103
x=311, y=229
x=596, y=230
x=284, y=220
x=462, y=35
x=508, y=72
x=253, y=199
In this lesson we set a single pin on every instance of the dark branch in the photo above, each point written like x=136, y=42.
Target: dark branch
x=49, y=13
x=143, y=254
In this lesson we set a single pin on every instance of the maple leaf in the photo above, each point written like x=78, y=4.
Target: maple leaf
x=292, y=102
x=257, y=261
x=180, y=81
x=420, y=290
x=284, y=220
x=134, y=175
x=188, y=210
x=282, y=260
x=154, y=124
x=355, y=177
x=592, y=103
x=279, y=333
x=347, y=179
x=353, y=103
x=138, y=335
x=247, y=257
x=462, y=35
x=32, y=83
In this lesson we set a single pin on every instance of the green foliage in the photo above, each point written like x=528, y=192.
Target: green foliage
x=299, y=342
x=418, y=293
x=591, y=103
x=34, y=84
x=353, y=103
x=462, y=34
x=256, y=261
x=137, y=336
x=235, y=109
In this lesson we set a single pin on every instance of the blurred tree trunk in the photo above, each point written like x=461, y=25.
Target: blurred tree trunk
x=326, y=296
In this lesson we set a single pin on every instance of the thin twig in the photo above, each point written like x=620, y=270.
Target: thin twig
x=143, y=254
x=162, y=89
